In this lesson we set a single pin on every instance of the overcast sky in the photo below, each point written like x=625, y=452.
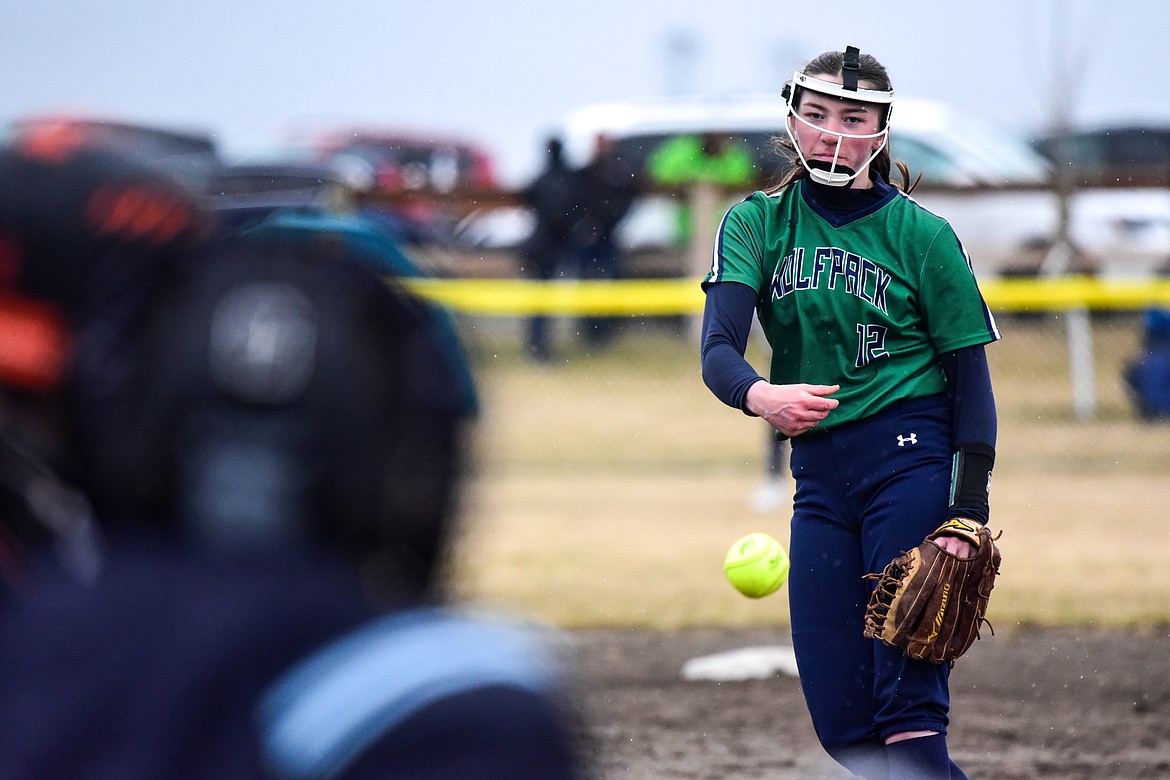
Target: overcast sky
x=506, y=71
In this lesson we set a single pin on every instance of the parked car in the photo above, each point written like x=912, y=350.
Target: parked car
x=1121, y=179
x=191, y=157
x=1121, y=153
x=409, y=176
x=392, y=161
x=246, y=192
x=993, y=187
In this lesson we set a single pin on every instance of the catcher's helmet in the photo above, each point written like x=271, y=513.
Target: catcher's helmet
x=80, y=228
x=833, y=173
x=83, y=232
x=287, y=399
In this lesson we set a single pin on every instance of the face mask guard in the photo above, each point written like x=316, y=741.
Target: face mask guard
x=833, y=173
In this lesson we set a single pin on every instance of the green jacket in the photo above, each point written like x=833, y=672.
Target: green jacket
x=682, y=160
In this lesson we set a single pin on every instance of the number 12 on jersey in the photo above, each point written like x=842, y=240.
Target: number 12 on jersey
x=871, y=344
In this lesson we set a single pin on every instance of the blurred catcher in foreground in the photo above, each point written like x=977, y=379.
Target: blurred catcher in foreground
x=83, y=236
x=271, y=439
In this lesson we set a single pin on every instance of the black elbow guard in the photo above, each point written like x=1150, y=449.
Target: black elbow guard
x=971, y=480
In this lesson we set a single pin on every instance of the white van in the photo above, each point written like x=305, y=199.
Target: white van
x=992, y=186
x=927, y=136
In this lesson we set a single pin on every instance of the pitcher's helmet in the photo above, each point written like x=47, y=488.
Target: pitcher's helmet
x=832, y=172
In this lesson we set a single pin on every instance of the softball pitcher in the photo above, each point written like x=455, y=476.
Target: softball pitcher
x=879, y=377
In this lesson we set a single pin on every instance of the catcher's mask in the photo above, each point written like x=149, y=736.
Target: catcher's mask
x=288, y=401
x=83, y=230
x=80, y=229
x=832, y=172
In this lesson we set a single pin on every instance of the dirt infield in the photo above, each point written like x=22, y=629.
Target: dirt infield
x=1050, y=703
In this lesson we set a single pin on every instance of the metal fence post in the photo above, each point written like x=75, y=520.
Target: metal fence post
x=703, y=199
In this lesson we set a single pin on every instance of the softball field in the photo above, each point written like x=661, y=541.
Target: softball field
x=607, y=488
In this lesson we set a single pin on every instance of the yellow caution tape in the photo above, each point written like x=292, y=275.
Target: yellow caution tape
x=519, y=297
x=1075, y=292
x=664, y=297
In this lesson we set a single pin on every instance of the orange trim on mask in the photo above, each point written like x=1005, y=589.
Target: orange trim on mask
x=137, y=211
x=34, y=344
x=53, y=141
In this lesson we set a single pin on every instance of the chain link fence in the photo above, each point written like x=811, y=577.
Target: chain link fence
x=619, y=465
x=639, y=402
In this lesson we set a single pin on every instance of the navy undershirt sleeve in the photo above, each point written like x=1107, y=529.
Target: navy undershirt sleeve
x=727, y=322
x=969, y=385
x=973, y=433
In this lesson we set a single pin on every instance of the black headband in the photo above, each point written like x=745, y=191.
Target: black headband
x=851, y=68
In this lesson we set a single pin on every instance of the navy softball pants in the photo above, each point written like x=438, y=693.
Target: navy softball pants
x=865, y=492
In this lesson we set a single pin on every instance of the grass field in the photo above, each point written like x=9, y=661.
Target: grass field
x=607, y=487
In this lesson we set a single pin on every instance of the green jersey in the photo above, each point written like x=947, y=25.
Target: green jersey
x=869, y=304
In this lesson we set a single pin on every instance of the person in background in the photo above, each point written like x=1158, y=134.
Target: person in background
x=879, y=379
x=773, y=489
x=1147, y=374
x=605, y=195
x=552, y=197
x=271, y=440
x=718, y=159
x=713, y=158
